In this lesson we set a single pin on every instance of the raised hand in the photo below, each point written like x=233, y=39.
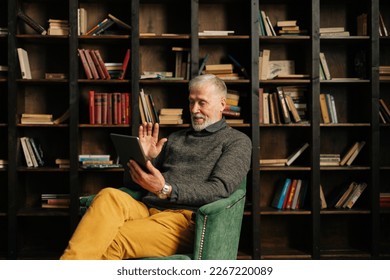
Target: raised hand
x=148, y=135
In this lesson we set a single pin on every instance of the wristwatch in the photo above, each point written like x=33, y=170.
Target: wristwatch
x=164, y=192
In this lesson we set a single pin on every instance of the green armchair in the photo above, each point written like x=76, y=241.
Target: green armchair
x=217, y=230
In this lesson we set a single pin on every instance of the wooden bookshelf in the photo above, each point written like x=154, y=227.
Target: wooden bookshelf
x=3, y=130
x=27, y=230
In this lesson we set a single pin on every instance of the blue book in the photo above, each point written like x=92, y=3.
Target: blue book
x=280, y=194
x=203, y=64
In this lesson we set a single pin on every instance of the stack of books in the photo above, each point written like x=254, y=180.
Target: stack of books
x=223, y=71
x=36, y=119
x=216, y=33
x=337, y=31
x=3, y=163
x=384, y=72
x=97, y=161
x=3, y=30
x=58, y=27
x=49, y=200
x=171, y=116
x=62, y=163
x=289, y=27
x=232, y=111
x=330, y=159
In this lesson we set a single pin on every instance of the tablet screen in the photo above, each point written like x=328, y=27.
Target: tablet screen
x=128, y=147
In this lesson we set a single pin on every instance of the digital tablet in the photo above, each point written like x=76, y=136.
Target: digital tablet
x=128, y=147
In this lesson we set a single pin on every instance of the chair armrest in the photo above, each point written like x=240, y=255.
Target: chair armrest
x=218, y=227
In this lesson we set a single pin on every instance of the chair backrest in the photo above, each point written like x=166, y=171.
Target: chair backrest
x=218, y=227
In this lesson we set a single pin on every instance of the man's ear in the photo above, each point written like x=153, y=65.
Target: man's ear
x=223, y=103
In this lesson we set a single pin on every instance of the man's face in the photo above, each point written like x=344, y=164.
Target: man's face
x=205, y=106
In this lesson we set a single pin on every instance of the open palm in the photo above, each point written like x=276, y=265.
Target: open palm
x=148, y=135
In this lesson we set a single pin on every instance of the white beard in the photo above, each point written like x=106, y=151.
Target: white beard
x=199, y=127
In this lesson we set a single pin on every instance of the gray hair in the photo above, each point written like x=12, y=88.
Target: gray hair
x=210, y=80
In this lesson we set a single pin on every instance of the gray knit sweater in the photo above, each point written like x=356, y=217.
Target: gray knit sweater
x=202, y=166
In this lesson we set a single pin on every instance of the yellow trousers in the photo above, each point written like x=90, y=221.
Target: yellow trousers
x=116, y=226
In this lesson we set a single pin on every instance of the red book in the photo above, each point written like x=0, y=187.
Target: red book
x=98, y=108
x=287, y=195
x=92, y=107
x=127, y=115
x=91, y=64
x=104, y=108
x=101, y=62
x=102, y=75
x=124, y=64
x=84, y=61
x=291, y=193
x=109, y=108
x=123, y=109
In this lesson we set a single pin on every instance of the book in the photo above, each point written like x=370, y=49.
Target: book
x=268, y=31
x=93, y=29
x=125, y=62
x=119, y=22
x=324, y=109
x=325, y=66
x=240, y=68
x=283, y=23
x=280, y=194
x=283, y=105
x=91, y=64
x=24, y=64
x=273, y=161
x=32, y=23
x=355, y=153
x=296, y=154
x=291, y=194
x=85, y=64
x=171, y=111
x=382, y=26
x=357, y=192
x=203, y=64
x=264, y=65
x=82, y=21
x=297, y=192
x=332, y=29
x=280, y=68
x=101, y=64
x=37, y=150
x=349, y=153
x=322, y=198
x=345, y=195
x=26, y=153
